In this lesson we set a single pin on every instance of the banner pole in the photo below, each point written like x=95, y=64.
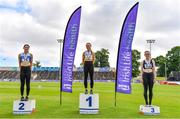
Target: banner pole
x=115, y=95
x=115, y=99
x=61, y=98
x=60, y=95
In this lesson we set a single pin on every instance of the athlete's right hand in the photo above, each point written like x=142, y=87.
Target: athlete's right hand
x=82, y=63
x=19, y=68
x=141, y=81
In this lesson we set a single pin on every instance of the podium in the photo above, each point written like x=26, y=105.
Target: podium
x=89, y=103
x=24, y=107
x=149, y=110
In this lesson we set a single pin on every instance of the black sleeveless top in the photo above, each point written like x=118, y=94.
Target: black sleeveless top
x=147, y=65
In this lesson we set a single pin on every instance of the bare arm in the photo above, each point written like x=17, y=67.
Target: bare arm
x=83, y=58
x=93, y=57
x=154, y=69
x=19, y=62
x=31, y=62
x=141, y=70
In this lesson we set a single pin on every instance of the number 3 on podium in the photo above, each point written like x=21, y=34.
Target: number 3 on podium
x=21, y=106
x=152, y=110
x=89, y=99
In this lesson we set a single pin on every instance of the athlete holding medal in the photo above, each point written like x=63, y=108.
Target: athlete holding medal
x=88, y=59
x=25, y=65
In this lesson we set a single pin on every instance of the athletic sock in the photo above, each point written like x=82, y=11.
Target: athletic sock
x=22, y=98
x=86, y=91
x=91, y=91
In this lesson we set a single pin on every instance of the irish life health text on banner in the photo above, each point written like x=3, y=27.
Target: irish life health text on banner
x=69, y=50
x=124, y=60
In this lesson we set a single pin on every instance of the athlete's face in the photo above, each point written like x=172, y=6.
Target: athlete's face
x=26, y=49
x=147, y=55
x=88, y=46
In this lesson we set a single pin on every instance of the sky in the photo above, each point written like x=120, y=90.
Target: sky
x=41, y=22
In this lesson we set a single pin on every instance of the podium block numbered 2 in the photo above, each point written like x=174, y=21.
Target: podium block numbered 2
x=149, y=110
x=89, y=103
x=24, y=107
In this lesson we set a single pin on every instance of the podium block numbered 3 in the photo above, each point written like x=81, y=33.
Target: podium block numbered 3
x=149, y=110
x=24, y=107
x=89, y=103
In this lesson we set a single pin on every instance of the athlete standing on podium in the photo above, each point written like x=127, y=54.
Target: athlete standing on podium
x=88, y=59
x=148, y=74
x=25, y=65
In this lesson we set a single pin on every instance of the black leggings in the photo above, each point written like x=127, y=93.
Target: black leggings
x=148, y=82
x=88, y=69
x=25, y=76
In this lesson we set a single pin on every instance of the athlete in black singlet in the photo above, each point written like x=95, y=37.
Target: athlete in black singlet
x=148, y=76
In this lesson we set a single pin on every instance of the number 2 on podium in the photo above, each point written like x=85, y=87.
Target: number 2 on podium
x=89, y=99
x=21, y=106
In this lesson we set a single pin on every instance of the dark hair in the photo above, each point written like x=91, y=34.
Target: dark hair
x=26, y=45
x=88, y=43
x=147, y=51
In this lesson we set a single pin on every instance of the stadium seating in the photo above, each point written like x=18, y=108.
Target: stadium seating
x=52, y=73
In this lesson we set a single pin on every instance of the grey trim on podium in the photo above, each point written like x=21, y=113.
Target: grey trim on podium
x=88, y=109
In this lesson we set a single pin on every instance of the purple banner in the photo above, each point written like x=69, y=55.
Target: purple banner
x=69, y=50
x=124, y=60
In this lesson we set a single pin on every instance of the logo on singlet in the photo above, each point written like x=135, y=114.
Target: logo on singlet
x=25, y=57
x=88, y=55
x=147, y=65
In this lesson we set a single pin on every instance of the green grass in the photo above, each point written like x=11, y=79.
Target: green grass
x=160, y=78
x=47, y=99
x=157, y=78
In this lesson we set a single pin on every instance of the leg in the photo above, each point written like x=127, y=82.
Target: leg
x=145, y=84
x=91, y=72
x=22, y=79
x=151, y=83
x=28, y=78
x=85, y=76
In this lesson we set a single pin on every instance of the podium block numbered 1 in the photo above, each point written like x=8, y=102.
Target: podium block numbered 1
x=24, y=107
x=89, y=103
x=149, y=110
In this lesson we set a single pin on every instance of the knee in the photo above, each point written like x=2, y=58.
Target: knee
x=145, y=93
x=22, y=86
x=85, y=82
x=28, y=87
x=150, y=93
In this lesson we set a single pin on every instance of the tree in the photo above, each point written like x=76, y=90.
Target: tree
x=102, y=58
x=135, y=63
x=160, y=63
x=37, y=64
x=173, y=59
